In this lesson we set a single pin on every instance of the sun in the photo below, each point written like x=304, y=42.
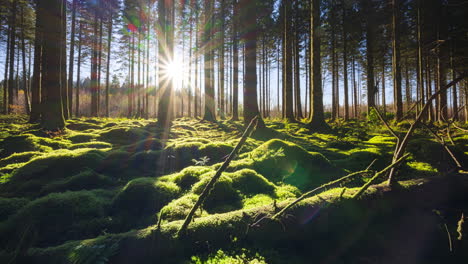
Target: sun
x=173, y=69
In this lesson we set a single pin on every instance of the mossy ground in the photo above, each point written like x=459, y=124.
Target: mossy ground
x=104, y=176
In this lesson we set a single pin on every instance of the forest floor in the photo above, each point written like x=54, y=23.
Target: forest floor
x=117, y=191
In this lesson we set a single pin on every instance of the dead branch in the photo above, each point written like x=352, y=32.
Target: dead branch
x=211, y=183
x=400, y=150
x=309, y=193
x=442, y=142
x=377, y=175
x=387, y=125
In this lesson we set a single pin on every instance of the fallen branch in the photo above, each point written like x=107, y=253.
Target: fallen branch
x=400, y=149
x=387, y=125
x=309, y=193
x=215, y=178
x=442, y=142
x=377, y=175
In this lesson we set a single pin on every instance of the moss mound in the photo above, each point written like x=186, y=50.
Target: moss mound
x=9, y=206
x=250, y=182
x=87, y=179
x=281, y=161
x=179, y=208
x=144, y=196
x=56, y=218
x=222, y=198
x=94, y=144
x=189, y=176
x=124, y=135
x=19, y=158
x=28, y=179
x=22, y=143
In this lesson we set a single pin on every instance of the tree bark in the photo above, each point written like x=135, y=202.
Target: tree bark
x=396, y=62
x=52, y=114
x=11, y=79
x=317, y=118
x=109, y=43
x=72, y=58
x=235, y=51
x=78, y=80
x=210, y=114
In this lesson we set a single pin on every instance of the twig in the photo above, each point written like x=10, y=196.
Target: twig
x=378, y=174
x=309, y=193
x=442, y=142
x=215, y=178
x=399, y=151
x=449, y=237
x=386, y=125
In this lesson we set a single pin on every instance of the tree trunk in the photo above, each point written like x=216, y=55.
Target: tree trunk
x=72, y=58
x=63, y=64
x=287, y=60
x=11, y=79
x=52, y=114
x=78, y=80
x=249, y=19
x=384, y=103
x=94, y=69
x=420, y=57
x=297, y=73
x=368, y=9
x=109, y=43
x=345, y=63
x=397, y=98
x=5, y=79
x=317, y=118
x=166, y=49
x=36, y=79
x=235, y=51
x=25, y=73
x=209, y=114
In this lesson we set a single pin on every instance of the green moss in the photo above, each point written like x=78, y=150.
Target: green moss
x=189, y=176
x=256, y=201
x=287, y=191
x=9, y=206
x=225, y=258
x=385, y=140
x=281, y=161
x=421, y=166
x=250, y=182
x=93, y=144
x=87, y=179
x=144, y=196
x=23, y=143
x=56, y=218
x=19, y=158
x=124, y=135
x=222, y=198
x=216, y=151
x=77, y=137
x=144, y=145
x=39, y=171
x=179, y=208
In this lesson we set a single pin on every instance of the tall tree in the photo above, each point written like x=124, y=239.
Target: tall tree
x=72, y=57
x=249, y=35
x=287, y=61
x=165, y=56
x=235, y=62
x=317, y=117
x=53, y=46
x=396, y=61
x=210, y=114
x=11, y=79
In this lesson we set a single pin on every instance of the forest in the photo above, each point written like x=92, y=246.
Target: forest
x=233, y=131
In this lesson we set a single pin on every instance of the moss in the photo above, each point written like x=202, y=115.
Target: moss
x=245, y=257
x=124, y=135
x=144, y=163
x=28, y=179
x=250, y=182
x=19, y=158
x=56, y=218
x=94, y=144
x=287, y=191
x=79, y=126
x=87, y=179
x=9, y=206
x=76, y=137
x=342, y=145
x=216, y=151
x=144, y=145
x=179, y=208
x=23, y=143
x=222, y=198
x=281, y=161
x=256, y=201
x=189, y=176
x=384, y=140
x=144, y=196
